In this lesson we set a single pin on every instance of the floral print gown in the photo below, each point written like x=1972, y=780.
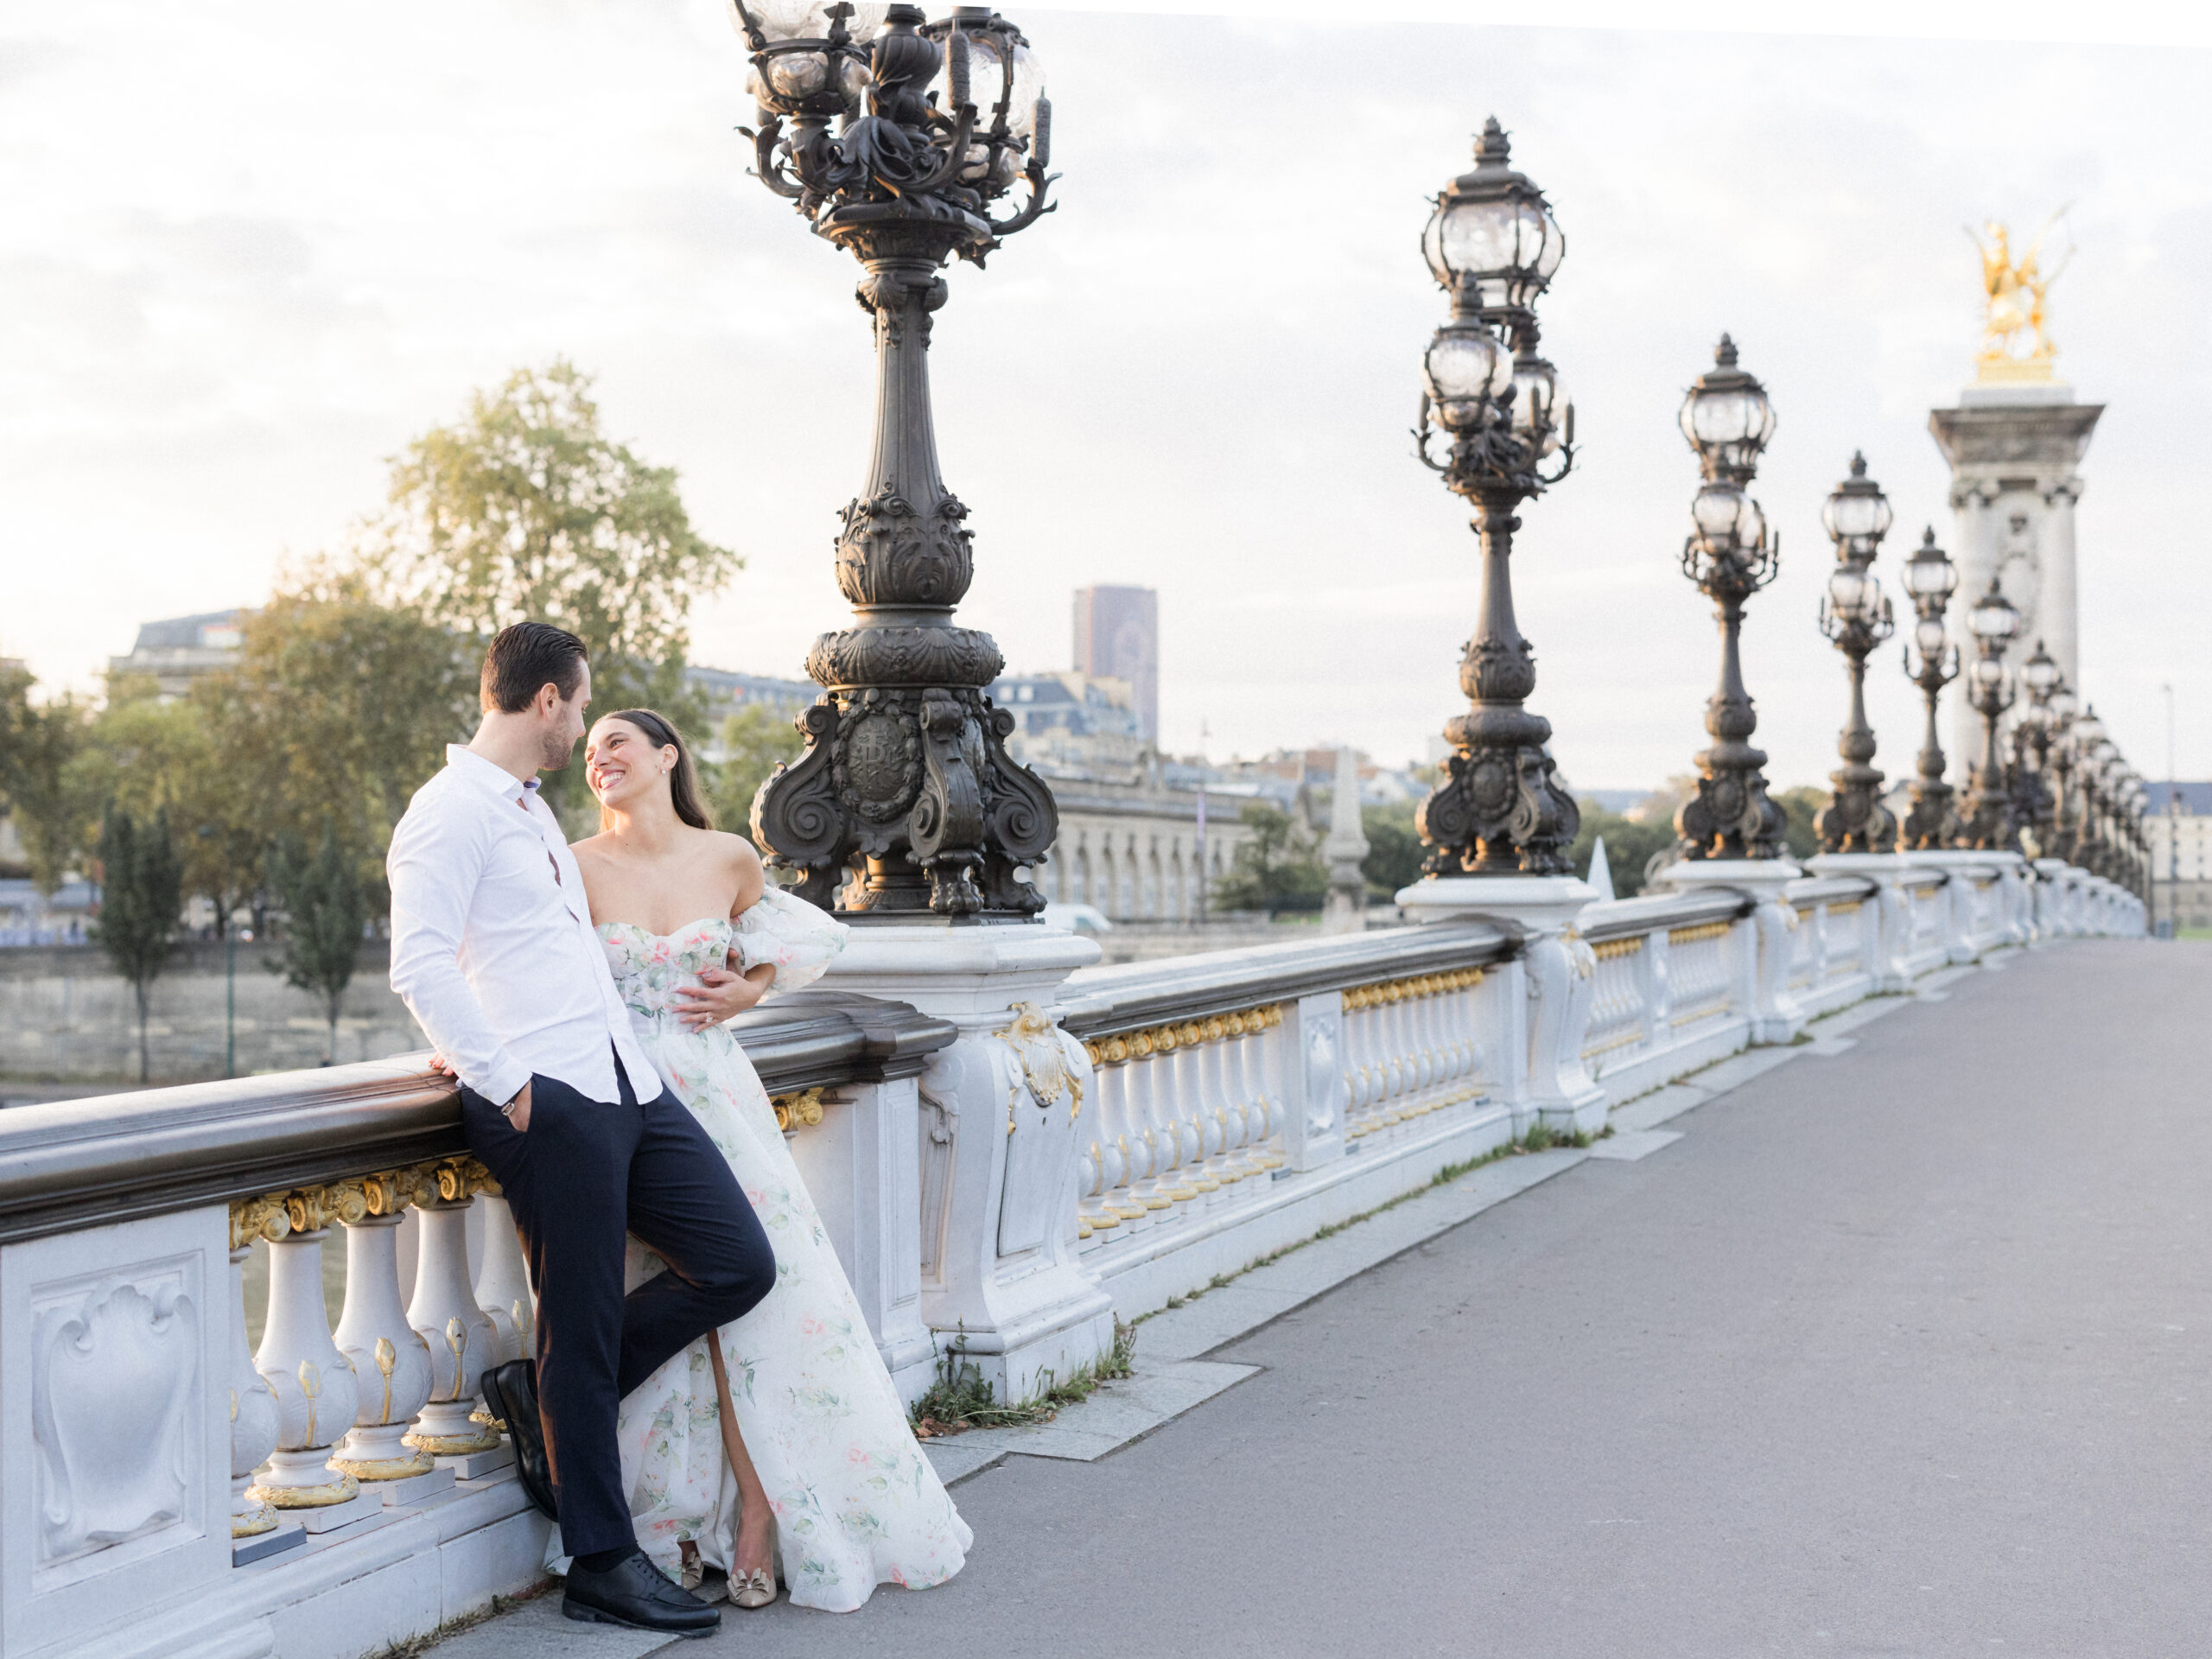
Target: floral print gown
x=856, y=1503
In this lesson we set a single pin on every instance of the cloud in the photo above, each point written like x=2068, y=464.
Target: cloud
x=250, y=253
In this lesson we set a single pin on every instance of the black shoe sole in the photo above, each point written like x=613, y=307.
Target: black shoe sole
x=587, y=1615
x=543, y=1501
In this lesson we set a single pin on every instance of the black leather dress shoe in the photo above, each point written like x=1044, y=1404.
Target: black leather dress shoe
x=511, y=1391
x=633, y=1593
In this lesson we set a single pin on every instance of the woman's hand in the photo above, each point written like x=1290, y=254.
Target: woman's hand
x=721, y=993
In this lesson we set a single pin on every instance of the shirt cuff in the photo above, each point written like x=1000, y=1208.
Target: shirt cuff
x=503, y=1082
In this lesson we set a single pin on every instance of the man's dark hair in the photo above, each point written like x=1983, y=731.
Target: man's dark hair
x=526, y=657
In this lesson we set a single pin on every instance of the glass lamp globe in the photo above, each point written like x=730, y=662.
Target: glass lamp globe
x=1994, y=619
x=1541, y=408
x=1464, y=367
x=1857, y=515
x=2064, y=704
x=1988, y=673
x=1492, y=235
x=1849, y=598
x=2089, y=732
x=1927, y=635
x=2040, y=673
x=1727, y=418
x=1930, y=573
x=1726, y=521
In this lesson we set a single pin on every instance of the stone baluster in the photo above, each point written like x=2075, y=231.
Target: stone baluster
x=1162, y=1187
x=1274, y=1060
x=1124, y=1112
x=317, y=1395
x=1100, y=1166
x=446, y=1316
x=1219, y=1104
x=503, y=1288
x=1200, y=1135
x=389, y=1361
x=1248, y=1052
x=256, y=1418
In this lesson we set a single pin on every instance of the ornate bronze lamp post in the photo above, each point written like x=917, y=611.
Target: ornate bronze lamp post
x=1855, y=617
x=2033, y=805
x=1987, y=808
x=2084, y=740
x=1730, y=555
x=2064, y=707
x=906, y=771
x=1931, y=578
x=1493, y=244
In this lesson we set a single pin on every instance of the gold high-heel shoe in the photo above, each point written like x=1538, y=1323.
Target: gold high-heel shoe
x=759, y=1588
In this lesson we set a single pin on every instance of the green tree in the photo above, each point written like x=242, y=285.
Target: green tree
x=338, y=710
x=325, y=915
x=146, y=755
x=526, y=509
x=1629, y=845
x=141, y=896
x=38, y=744
x=753, y=741
x=1278, y=868
x=1393, y=850
x=1800, y=805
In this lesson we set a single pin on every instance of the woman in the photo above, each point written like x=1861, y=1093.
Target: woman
x=785, y=1439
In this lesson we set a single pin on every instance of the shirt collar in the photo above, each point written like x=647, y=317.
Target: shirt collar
x=488, y=775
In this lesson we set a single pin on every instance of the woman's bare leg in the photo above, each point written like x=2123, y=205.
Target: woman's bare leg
x=753, y=1518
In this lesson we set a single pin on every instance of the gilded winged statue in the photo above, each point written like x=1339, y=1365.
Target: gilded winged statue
x=2013, y=325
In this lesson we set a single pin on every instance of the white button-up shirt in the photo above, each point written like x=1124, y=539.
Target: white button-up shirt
x=492, y=943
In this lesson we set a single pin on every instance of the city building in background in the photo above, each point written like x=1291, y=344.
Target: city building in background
x=1073, y=725
x=175, y=653
x=2178, y=826
x=1118, y=637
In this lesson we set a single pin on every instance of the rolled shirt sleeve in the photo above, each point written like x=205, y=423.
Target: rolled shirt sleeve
x=434, y=864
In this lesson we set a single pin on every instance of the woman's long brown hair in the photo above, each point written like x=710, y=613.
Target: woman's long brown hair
x=683, y=782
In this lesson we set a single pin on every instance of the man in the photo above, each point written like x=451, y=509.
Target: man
x=493, y=951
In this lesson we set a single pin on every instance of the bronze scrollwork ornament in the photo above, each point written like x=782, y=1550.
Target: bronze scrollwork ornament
x=906, y=802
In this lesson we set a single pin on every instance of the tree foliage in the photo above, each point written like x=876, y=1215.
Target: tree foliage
x=1278, y=868
x=1629, y=845
x=325, y=914
x=1394, y=850
x=38, y=742
x=524, y=509
x=1801, y=805
x=753, y=741
x=338, y=711
x=141, y=903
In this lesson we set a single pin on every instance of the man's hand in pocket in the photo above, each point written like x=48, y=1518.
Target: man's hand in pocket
x=517, y=1111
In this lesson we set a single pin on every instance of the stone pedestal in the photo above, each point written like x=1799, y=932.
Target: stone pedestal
x=999, y=1144
x=2053, y=917
x=1893, y=933
x=2013, y=448
x=1554, y=975
x=1775, y=1017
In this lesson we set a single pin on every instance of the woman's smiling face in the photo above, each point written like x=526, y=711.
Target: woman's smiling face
x=621, y=764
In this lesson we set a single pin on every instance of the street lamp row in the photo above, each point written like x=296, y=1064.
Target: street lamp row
x=904, y=141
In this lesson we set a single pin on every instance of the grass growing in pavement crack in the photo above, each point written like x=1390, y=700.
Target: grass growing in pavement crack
x=959, y=1399
x=1541, y=1137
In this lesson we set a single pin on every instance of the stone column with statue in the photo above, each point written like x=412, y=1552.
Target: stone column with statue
x=2014, y=444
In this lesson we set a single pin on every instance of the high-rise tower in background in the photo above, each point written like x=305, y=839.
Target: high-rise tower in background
x=2013, y=444
x=1117, y=636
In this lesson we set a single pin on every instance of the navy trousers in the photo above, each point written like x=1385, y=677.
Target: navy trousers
x=584, y=1173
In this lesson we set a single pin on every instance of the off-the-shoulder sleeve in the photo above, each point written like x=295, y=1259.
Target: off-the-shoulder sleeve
x=790, y=934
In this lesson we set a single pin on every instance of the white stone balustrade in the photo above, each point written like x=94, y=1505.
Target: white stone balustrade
x=1047, y=1148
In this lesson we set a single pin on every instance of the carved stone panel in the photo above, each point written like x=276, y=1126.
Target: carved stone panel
x=114, y=1429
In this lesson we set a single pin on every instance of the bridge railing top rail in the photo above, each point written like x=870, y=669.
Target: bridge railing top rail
x=70, y=1163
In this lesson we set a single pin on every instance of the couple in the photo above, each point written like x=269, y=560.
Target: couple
x=705, y=1386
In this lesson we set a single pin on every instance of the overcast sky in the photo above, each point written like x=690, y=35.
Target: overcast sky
x=251, y=249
